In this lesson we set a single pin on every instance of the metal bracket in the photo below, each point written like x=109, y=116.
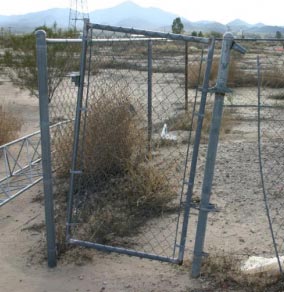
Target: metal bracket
x=239, y=48
x=220, y=89
x=76, y=171
x=210, y=208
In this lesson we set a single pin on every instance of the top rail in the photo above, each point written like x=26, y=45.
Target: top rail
x=155, y=34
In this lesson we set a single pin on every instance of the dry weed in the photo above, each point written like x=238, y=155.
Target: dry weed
x=237, y=77
x=120, y=188
x=183, y=122
x=224, y=270
x=10, y=125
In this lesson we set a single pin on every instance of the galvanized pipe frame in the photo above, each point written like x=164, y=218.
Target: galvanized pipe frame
x=220, y=90
x=22, y=166
x=195, y=153
x=153, y=34
x=74, y=171
x=77, y=172
x=41, y=57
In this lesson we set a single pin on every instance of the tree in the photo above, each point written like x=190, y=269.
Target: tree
x=200, y=34
x=19, y=59
x=194, y=33
x=278, y=34
x=177, y=26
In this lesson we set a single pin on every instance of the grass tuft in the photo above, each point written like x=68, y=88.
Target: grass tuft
x=10, y=125
x=120, y=188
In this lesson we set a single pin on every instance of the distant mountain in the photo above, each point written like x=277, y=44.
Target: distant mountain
x=130, y=14
x=30, y=21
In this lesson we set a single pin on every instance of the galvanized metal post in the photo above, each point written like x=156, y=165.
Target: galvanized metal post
x=150, y=75
x=195, y=152
x=74, y=171
x=220, y=91
x=186, y=77
x=41, y=49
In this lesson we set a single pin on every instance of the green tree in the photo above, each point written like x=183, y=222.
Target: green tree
x=177, y=26
x=200, y=34
x=19, y=59
x=278, y=34
x=194, y=33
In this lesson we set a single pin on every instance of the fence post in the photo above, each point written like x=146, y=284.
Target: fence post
x=77, y=123
x=41, y=55
x=150, y=75
x=220, y=90
x=186, y=77
x=195, y=151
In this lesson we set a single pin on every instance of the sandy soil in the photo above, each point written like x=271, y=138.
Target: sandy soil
x=240, y=228
x=22, y=265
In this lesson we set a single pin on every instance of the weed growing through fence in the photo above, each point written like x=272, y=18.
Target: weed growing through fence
x=183, y=122
x=120, y=187
x=237, y=77
x=225, y=272
x=277, y=96
x=10, y=125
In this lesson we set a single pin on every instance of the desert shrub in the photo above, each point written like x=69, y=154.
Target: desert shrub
x=10, y=125
x=273, y=77
x=225, y=271
x=183, y=122
x=119, y=206
x=120, y=187
x=18, y=60
x=277, y=96
x=237, y=77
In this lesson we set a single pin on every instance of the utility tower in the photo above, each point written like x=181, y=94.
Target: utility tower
x=78, y=11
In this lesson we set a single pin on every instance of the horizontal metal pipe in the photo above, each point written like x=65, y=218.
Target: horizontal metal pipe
x=120, y=250
x=172, y=36
x=32, y=134
x=2, y=203
x=106, y=40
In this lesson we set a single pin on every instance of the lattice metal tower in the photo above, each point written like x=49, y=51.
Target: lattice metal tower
x=78, y=11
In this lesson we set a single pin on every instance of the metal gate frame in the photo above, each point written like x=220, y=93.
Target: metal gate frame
x=46, y=153
x=190, y=184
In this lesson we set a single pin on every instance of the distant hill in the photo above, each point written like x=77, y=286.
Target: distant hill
x=130, y=14
x=28, y=22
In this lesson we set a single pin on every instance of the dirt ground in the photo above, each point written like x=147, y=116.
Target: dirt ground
x=239, y=228
x=24, y=269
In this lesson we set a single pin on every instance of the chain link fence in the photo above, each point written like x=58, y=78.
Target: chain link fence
x=136, y=124
x=244, y=217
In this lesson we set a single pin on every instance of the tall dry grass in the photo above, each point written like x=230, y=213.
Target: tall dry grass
x=237, y=76
x=120, y=189
x=10, y=125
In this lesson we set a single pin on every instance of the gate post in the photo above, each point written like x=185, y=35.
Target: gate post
x=220, y=90
x=41, y=55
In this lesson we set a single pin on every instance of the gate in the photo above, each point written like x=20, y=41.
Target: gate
x=132, y=131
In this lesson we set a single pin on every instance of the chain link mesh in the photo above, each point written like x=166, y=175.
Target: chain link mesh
x=134, y=146
x=133, y=142
x=240, y=227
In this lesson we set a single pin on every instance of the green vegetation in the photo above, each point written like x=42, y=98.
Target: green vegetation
x=19, y=58
x=177, y=26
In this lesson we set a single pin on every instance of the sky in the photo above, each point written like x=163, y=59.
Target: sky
x=270, y=12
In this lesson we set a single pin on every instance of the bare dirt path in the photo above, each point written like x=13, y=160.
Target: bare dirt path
x=107, y=272
x=21, y=243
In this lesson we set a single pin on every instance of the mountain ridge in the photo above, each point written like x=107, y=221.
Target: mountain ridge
x=131, y=15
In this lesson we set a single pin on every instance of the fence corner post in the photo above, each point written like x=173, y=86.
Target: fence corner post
x=41, y=57
x=220, y=91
